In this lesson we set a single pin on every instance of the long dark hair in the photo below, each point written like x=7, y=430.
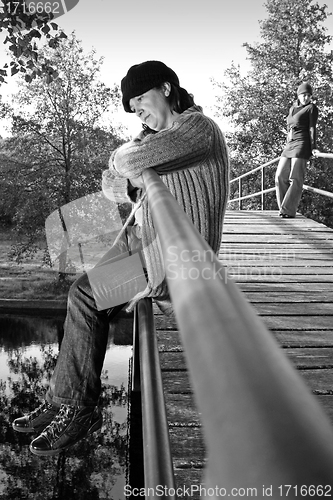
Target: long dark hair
x=179, y=99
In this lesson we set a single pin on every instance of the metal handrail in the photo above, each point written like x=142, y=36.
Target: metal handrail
x=265, y=191
x=261, y=423
x=324, y=155
x=262, y=192
x=318, y=191
x=258, y=193
x=264, y=165
x=146, y=376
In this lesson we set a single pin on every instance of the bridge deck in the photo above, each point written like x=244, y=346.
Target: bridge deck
x=285, y=269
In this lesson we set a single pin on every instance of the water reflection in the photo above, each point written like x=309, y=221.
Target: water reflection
x=94, y=468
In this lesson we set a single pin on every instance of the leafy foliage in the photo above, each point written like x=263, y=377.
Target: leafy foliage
x=25, y=29
x=293, y=48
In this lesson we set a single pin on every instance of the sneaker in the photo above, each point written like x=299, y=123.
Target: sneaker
x=37, y=420
x=286, y=216
x=70, y=425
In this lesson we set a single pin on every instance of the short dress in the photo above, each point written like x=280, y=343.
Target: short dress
x=299, y=121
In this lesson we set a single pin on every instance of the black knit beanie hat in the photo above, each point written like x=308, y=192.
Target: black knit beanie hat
x=304, y=88
x=145, y=76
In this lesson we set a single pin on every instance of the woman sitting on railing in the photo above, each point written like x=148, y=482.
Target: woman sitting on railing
x=187, y=149
x=301, y=144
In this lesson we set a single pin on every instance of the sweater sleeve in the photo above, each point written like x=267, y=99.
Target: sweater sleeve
x=184, y=144
x=115, y=188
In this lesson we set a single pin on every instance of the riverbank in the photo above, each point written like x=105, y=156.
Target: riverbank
x=29, y=280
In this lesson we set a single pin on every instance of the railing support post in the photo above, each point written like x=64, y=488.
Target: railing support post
x=136, y=355
x=263, y=187
x=240, y=190
x=158, y=466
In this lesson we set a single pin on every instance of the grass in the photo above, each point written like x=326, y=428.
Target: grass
x=29, y=280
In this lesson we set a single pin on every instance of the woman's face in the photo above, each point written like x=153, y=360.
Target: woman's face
x=304, y=98
x=153, y=108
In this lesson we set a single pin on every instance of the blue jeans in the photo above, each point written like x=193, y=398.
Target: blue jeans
x=76, y=378
x=289, y=180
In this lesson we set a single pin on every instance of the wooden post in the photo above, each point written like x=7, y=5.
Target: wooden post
x=263, y=187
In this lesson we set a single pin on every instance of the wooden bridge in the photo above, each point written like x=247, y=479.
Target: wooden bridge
x=285, y=269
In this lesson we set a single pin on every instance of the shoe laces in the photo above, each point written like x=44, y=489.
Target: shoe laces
x=43, y=407
x=60, y=422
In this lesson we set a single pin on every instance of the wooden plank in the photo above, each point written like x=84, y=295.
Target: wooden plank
x=288, y=248
x=270, y=229
x=271, y=220
x=234, y=240
x=181, y=410
x=307, y=297
x=307, y=240
x=319, y=381
x=169, y=340
x=172, y=361
x=282, y=287
x=327, y=404
x=280, y=272
x=266, y=215
x=321, y=357
x=298, y=322
x=163, y=322
x=186, y=444
x=304, y=338
x=269, y=256
x=247, y=247
x=190, y=480
x=188, y=452
x=288, y=264
x=294, y=309
x=176, y=383
x=272, y=276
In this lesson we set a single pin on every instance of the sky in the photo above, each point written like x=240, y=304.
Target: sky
x=197, y=39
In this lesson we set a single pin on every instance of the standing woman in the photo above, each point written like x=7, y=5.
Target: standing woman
x=300, y=146
x=187, y=149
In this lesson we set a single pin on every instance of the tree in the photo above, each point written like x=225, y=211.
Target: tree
x=293, y=48
x=60, y=144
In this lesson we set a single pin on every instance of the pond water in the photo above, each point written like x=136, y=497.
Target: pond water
x=95, y=468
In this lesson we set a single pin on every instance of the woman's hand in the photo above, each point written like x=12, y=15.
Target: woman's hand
x=315, y=153
x=137, y=181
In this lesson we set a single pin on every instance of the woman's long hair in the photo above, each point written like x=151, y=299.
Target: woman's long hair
x=179, y=99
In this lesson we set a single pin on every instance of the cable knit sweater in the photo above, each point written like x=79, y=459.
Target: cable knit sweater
x=191, y=158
